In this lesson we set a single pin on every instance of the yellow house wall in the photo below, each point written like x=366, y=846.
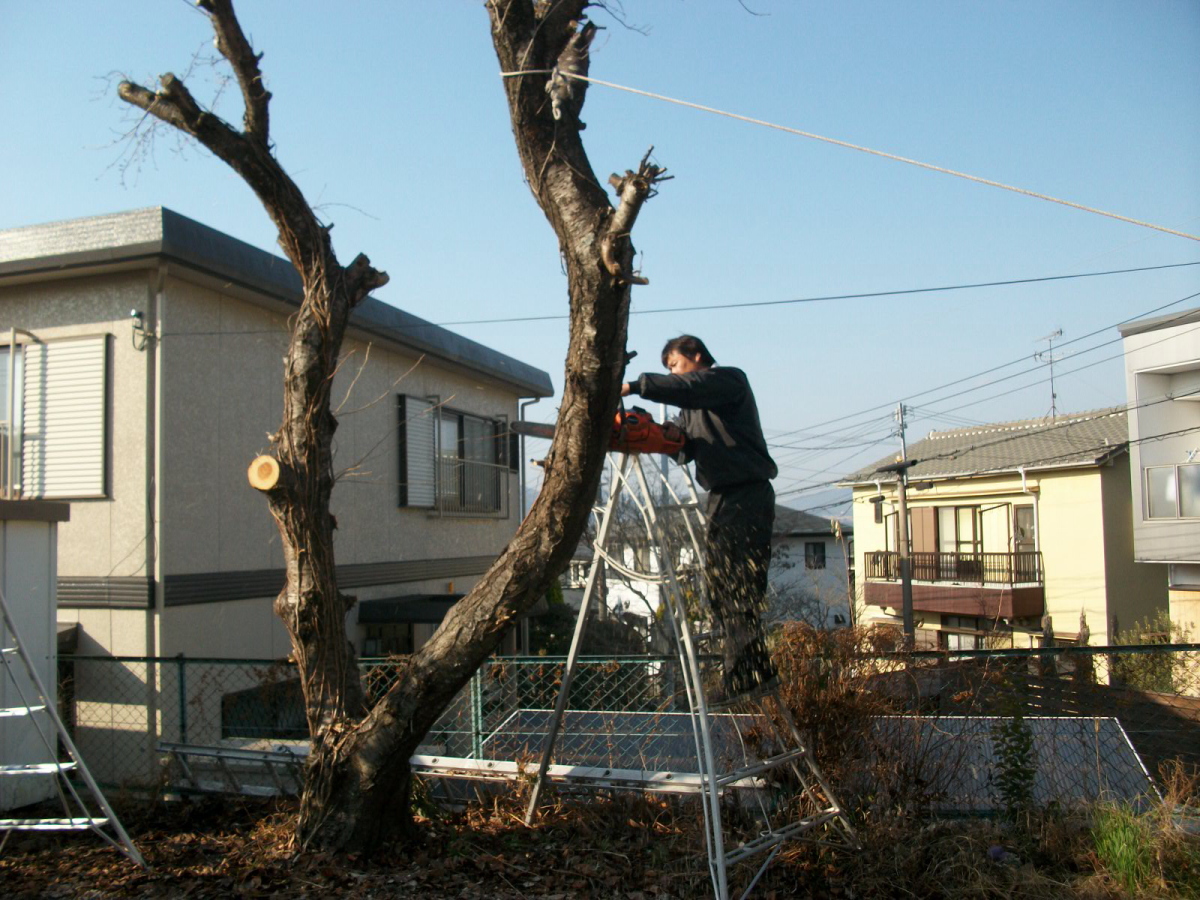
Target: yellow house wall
x=1185, y=612
x=1086, y=539
x=1071, y=512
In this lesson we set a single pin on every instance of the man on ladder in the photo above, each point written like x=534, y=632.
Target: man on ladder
x=719, y=420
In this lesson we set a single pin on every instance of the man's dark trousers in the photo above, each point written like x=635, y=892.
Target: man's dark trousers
x=737, y=555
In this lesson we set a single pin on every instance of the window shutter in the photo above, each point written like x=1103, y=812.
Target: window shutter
x=65, y=428
x=418, y=436
x=514, y=452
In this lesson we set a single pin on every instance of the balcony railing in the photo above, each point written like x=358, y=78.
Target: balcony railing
x=959, y=568
x=472, y=487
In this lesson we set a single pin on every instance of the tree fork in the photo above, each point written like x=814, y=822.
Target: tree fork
x=358, y=767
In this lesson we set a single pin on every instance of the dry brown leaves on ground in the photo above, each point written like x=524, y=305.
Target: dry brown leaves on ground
x=620, y=848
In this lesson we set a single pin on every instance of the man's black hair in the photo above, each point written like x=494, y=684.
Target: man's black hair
x=688, y=345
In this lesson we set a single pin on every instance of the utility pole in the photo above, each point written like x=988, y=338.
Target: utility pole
x=906, y=599
x=1051, y=358
x=900, y=468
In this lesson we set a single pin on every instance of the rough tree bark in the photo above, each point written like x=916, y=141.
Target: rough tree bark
x=358, y=779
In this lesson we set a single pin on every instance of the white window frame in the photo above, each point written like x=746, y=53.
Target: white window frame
x=1178, y=492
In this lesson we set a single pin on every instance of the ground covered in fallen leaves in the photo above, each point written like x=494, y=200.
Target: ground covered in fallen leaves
x=212, y=847
x=626, y=849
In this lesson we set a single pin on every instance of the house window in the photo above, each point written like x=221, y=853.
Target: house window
x=53, y=440
x=10, y=421
x=388, y=640
x=451, y=461
x=274, y=709
x=1024, y=539
x=814, y=554
x=1173, y=492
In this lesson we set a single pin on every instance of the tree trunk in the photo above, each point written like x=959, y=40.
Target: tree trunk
x=358, y=779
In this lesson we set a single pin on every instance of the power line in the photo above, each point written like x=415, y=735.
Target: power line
x=864, y=295
x=1045, y=459
x=984, y=372
x=846, y=144
x=1068, y=372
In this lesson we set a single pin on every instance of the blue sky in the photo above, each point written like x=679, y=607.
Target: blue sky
x=391, y=117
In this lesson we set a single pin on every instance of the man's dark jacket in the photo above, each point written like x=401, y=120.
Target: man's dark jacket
x=720, y=418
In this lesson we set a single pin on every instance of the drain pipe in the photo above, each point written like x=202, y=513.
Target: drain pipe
x=521, y=479
x=1037, y=529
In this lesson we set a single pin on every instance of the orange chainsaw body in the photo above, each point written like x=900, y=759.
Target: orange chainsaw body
x=635, y=431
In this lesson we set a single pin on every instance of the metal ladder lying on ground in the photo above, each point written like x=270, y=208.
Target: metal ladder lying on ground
x=77, y=814
x=235, y=769
x=757, y=746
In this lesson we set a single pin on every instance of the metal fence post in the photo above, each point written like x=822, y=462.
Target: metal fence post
x=181, y=661
x=477, y=713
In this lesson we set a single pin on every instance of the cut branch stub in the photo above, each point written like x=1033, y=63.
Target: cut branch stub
x=264, y=473
x=633, y=189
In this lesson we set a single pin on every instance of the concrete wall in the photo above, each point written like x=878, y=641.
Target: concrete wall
x=1157, y=363
x=27, y=576
x=1136, y=591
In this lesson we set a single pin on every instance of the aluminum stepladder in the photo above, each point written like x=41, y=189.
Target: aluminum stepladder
x=77, y=814
x=821, y=818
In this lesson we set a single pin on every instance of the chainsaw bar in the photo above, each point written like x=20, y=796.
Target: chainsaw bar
x=633, y=431
x=533, y=429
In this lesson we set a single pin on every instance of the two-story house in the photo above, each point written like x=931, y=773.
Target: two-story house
x=141, y=367
x=1008, y=523
x=810, y=578
x=1162, y=376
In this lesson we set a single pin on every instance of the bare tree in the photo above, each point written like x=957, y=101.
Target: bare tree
x=358, y=776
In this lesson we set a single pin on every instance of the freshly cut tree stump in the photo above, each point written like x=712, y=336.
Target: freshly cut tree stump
x=263, y=473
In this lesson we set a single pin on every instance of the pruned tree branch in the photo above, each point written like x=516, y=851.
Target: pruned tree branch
x=634, y=189
x=232, y=44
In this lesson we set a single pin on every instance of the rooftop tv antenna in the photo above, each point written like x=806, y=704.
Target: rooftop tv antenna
x=1050, y=357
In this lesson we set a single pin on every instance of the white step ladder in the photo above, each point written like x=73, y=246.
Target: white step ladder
x=77, y=815
x=751, y=746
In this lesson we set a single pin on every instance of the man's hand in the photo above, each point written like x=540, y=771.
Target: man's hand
x=671, y=432
x=626, y=389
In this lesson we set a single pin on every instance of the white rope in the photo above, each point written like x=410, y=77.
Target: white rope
x=828, y=140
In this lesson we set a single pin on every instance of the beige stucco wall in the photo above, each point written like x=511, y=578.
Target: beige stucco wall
x=222, y=384
x=111, y=536
x=222, y=394
x=217, y=370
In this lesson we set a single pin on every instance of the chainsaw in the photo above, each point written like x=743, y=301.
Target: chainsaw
x=633, y=431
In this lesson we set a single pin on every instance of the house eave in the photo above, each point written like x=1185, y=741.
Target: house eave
x=150, y=237
x=993, y=473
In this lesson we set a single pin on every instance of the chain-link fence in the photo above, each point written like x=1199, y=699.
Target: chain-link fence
x=1077, y=724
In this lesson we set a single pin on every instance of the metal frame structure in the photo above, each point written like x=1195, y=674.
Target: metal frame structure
x=822, y=819
x=77, y=816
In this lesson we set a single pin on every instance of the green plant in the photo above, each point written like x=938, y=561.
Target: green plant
x=1012, y=779
x=1125, y=846
x=1161, y=672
